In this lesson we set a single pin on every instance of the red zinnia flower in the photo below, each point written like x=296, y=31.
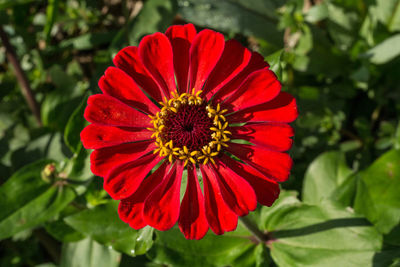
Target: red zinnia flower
x=210, y=92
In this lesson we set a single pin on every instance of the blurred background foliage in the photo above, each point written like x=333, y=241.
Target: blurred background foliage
x=341, y=205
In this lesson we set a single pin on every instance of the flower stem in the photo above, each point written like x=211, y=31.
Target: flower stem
x=21, y=77
x=258, y=234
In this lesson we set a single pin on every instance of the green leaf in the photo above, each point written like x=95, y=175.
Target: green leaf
x=103, y=225
x=378, y=195
x=235, y=16
x=317, y=13
x=326, y=235
x=342, y=26
x=155, y=16
x=78, y=170
x=385, y=51
x=51, y=14
x=388, y=13
x=232, y=249
x=275, y=62
x=325, y=174
x=87, y=253
x=47, y=145
x=27, y=201
x=75, y=125
x=393, y=238
x=88, y=41
x=58, y=105
x=63, y=232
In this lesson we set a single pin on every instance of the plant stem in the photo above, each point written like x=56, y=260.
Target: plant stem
x=21, y=77
x=259, y=235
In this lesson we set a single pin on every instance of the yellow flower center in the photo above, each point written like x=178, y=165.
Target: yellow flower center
x=189, y=129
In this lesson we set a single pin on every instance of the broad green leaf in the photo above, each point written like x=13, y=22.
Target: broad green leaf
x=385, y=51
x=378, y=195
x=232, y=249
x=103, y=225
x=28, y=202
x=19, y=188
x=88, y=253
x=63, y=232
x=326, y=235
x=285, y=198
x=74, y=126
x=234, y=17
x=325, y=174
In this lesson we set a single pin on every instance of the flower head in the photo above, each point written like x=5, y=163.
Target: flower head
x=173, y=107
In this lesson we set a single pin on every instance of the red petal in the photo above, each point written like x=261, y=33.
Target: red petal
x=256, y=63
x=181, y=37
x=274, y=165
x=103, y=160
x=206, y=49
x=156, y=53
x=282, y=108
x=122, y=181
x=128, y=60
x=192, y=218
x=120, y=85
x=107, y=110
x=161, y=207
x=271, y=136
x=219, y=216
x=130, y=209
x=259, y=87
x=96, y=136
x=233, y=60
x=267, y=191
x=237, y=193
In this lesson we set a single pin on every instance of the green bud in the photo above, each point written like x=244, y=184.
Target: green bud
x=49, y=173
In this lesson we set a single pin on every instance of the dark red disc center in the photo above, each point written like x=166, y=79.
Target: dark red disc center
x=189, y=127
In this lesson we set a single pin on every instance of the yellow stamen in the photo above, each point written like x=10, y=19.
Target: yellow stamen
x=166, y=148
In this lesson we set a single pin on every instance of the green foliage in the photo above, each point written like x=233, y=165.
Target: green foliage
x=340, y=59
x=385, y=51
x=256, y=19
x=74, y=126
x=324, y=175
x=28, y=201
x=234, y=249
x=88, y=253
x=377, y=192
x=327, y=234
x=103, y=225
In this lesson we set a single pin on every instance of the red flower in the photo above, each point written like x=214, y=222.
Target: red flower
x=210, y=92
